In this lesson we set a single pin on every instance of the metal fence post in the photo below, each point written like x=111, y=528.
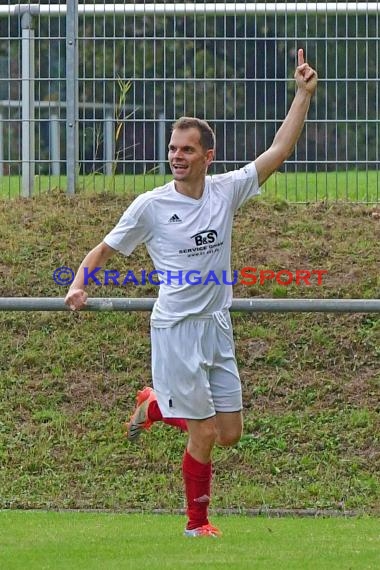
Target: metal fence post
x=55, y=144
x=72, y=140
x=162, y=144
x=27, y=113
x=1, y=144
x=109, y=144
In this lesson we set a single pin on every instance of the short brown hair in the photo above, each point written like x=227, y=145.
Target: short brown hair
x=207, y=136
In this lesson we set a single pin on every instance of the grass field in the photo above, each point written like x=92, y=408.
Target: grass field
x=89, y=541
x=355, y=186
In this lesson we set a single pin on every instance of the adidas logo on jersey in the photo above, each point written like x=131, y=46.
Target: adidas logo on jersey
x=175, y=219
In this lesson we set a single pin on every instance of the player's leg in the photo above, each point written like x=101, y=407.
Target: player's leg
x=197, y=476
x=229, y=427
x=146, y=412
x=180, y=378
x=226, y=386
x=155, y=415
x=225, y=429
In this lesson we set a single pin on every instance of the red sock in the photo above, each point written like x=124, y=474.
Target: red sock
x=154, y=414
x=197, y=478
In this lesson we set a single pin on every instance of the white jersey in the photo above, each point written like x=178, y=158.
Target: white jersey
x=189, y=241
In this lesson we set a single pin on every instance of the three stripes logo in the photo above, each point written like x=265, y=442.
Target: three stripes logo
x=175, y=219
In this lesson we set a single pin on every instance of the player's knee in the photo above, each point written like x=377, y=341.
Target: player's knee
x=228, y=439
x=201, y=441
x=209, y=435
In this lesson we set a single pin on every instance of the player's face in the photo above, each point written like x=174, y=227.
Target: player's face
x=188, y=160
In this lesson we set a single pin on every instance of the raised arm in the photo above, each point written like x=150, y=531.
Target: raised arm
x=288, y=134
x=76, y=297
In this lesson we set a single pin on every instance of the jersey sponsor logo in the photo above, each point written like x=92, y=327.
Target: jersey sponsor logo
x=205, y=237
x=175, y=219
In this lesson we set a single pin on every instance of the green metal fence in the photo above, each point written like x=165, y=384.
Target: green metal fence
x=88, y=91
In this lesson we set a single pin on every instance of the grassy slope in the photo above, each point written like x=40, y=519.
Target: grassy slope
x=311, y=381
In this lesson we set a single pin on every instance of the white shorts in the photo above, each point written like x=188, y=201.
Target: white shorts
x=194, y=368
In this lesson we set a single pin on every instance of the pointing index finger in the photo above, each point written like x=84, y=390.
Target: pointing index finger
x=301, y=59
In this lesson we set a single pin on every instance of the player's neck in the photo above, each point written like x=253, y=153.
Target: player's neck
x=192, y=190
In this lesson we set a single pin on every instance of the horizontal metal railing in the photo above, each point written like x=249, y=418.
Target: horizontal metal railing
x=243, y=305
x=213, y=8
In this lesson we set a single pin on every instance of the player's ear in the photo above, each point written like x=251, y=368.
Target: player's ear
x=210, y=156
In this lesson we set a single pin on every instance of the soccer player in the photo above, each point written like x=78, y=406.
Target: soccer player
x=186, y=225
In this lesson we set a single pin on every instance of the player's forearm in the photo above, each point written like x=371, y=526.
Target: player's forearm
x=97, y=257
x=291, y=129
